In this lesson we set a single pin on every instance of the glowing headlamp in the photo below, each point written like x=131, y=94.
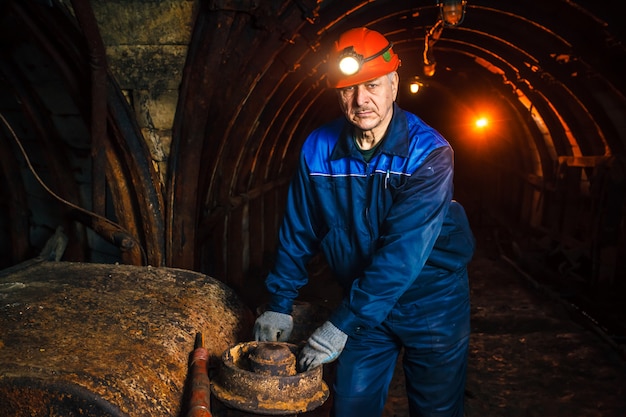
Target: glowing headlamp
x=350, y=62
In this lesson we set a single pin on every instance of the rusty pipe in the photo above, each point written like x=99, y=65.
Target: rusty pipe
x=200, y=400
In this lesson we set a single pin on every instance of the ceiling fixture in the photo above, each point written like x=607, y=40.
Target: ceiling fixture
x=451, y=14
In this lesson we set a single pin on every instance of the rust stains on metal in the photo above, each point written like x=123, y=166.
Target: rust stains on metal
x=277, y=392
x=110, y=334
x=272, y=359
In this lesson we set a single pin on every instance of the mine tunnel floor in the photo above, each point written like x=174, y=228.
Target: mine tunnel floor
x=529, y=354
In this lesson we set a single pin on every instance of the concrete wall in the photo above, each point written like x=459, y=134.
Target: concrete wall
x=146, y=44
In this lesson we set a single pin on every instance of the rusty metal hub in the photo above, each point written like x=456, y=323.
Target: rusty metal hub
x=262, y=377
x=273, y=359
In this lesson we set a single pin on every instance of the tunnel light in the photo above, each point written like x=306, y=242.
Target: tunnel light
x=415, y=85
x=482, y=122
x=452, y=11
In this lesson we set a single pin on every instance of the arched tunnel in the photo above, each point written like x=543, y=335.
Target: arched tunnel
x=165, y=133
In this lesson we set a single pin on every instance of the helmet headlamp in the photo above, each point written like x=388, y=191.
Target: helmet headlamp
x=350, y=62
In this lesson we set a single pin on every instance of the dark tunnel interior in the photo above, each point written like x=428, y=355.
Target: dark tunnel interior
x=547, y=75
x=197, y=181
x=165, y=133
x=548, y=168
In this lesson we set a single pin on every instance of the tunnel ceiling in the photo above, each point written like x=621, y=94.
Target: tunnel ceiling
x=550, y=73
x=552, y=69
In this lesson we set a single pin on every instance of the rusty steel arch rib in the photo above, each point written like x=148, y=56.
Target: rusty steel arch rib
x=200, y=79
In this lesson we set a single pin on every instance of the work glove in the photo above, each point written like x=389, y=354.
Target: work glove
x=324, y=345
x=273, y=327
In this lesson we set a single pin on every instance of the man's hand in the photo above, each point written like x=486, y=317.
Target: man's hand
x=273, y=327
x=324, y=345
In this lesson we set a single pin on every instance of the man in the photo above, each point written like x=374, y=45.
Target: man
x=373, y=192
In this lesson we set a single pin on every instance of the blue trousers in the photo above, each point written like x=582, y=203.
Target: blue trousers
x=433, y=335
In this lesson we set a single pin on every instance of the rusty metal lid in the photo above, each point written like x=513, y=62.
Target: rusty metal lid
x=260, y=377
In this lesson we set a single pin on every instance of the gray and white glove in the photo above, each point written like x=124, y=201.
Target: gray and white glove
x=273, y=327
x=324, y=345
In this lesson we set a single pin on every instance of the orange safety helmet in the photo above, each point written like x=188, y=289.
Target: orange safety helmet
x=368, y=53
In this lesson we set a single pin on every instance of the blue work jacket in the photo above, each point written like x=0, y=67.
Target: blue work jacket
x=388, y=228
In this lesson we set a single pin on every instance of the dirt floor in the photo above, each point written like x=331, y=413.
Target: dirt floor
x=529, y=356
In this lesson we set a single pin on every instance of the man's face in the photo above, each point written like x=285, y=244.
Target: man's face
x=369, y=106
